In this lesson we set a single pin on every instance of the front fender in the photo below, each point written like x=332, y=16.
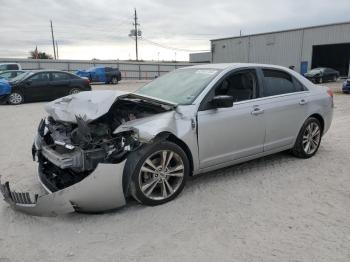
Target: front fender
x=148, y=128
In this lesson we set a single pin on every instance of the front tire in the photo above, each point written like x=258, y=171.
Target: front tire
x=159, y=174
x=309, y=139
x=320, y=80
x=15, y=98
x=114, y=81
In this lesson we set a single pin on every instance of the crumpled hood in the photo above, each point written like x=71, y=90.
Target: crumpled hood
x=90, y=105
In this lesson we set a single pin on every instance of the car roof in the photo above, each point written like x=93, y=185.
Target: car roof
x=225, y=66
x=13, y=71
x=47, y=70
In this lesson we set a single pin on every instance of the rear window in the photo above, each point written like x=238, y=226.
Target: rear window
x=56, y=76
x=12, y=67
x=277, y=82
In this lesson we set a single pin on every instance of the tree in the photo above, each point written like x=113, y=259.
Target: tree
x=39, y=55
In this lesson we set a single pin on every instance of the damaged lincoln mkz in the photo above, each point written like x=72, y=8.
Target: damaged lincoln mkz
x=97, y=149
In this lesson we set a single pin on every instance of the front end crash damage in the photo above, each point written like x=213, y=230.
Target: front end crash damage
x=81, y=158
x=100, y=191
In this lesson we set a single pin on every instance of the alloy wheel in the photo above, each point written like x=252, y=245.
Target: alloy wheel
x=15, y=98
x=311, y=138
x=161, y=175
x=74, y=91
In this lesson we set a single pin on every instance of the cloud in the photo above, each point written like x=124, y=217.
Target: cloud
x=86, y=29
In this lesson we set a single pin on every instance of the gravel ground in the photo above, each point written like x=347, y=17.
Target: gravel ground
x=277, y=208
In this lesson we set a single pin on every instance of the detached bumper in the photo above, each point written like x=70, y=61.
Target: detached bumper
x=101, y=191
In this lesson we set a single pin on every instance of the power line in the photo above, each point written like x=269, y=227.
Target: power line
x=172, y=48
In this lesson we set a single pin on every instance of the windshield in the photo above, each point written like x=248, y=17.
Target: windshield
x=180, y=86
x=21, y=76
x=316, y=71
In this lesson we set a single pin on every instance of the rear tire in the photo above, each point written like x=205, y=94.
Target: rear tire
x=309, y=139
x=15, y=98
x=158, y=173
x=74, y=91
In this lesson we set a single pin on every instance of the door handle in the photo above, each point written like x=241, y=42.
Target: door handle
x=257, y=111
x=302, y=102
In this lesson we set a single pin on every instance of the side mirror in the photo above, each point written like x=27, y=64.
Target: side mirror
x=222, y=101
x=28, y=82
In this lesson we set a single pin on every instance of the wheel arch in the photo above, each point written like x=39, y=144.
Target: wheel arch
x=319, y=118
x=165, y=135
x=172, y=138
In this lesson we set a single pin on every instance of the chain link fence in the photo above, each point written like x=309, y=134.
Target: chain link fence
x=130, y=70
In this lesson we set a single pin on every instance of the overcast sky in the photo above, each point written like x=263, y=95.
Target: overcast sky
x=99, y=29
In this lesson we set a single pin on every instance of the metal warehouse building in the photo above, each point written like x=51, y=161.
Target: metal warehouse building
x=304, y=48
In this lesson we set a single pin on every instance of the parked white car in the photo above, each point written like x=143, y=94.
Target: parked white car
x=10, y=66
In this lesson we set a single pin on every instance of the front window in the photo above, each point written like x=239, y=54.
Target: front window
x=40, y=77
x=180, y=86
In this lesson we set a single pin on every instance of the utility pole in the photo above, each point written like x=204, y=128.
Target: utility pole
x=57, y=50
x=136, y=35
x=53, y=40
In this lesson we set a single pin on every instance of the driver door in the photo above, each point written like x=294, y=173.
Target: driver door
x=227, y=134
x=36, y=88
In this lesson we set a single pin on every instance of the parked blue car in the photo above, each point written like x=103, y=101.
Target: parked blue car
x=5, y=89
x=346, y=86
x=106, y=75
x=10, y=74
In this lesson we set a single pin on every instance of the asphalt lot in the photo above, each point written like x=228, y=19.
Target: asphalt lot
x=276, y=208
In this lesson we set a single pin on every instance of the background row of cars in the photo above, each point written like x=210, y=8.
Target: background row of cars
x=18, y=86
x=101, y=74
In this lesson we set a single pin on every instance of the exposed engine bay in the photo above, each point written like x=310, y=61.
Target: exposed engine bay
x=68, y=152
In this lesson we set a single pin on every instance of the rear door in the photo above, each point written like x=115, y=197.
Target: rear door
x=285, y=105
x=60, y=84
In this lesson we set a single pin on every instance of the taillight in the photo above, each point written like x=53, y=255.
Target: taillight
x=330, y=92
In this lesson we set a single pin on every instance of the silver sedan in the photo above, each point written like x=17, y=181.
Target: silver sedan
x=97, y=149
